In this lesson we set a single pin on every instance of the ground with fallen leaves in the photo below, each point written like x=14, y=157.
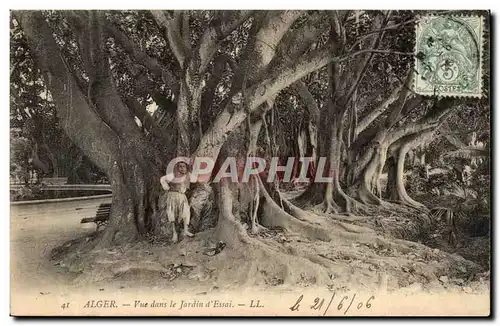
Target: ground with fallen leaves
x=189, y=265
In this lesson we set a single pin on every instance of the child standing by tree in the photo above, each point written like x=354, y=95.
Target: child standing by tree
x=174, y=205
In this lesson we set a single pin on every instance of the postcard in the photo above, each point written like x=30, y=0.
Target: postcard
x=328, y=163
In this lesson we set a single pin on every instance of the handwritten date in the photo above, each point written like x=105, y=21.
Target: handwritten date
x=343, y=302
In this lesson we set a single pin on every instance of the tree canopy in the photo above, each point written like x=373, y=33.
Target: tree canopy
x=133, y=89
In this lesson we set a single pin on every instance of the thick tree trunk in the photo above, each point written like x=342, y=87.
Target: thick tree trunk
x=372, y=173
x=187, y=117
x=372, y=156
x=345, y=201
x=229, y=228
x=400, y=191
x=402, y=195
x=113, y=144
x=335, y=199
x=203, y=203
x=330, y=194
x=391, y=192
x=316, y=193
x=364, y=184
x=239, y=146
x=333, y=189
x=122, y=227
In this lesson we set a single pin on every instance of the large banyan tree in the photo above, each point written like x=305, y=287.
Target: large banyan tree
x=215, y=77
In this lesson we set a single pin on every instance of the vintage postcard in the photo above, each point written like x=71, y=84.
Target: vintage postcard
x=250, y=163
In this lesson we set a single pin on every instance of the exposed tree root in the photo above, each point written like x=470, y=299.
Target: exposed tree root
x=367, y=197
x=275, y=267
x=330, y=206
x=302, y=215
x=255, y=227
x=229, y=229
x=286, y=268
x=354, y=255
x=310, y=225
x=332, y=250
x=335, y=204
x=201, y=200
x=352, y=206
x=274, y=216
x=313, y=195
x=113, y=235
x=329, y=221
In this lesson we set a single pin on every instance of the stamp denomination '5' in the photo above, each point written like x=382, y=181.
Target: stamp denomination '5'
x=449, y=56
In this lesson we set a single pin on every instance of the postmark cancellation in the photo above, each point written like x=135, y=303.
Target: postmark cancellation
x=448, y=58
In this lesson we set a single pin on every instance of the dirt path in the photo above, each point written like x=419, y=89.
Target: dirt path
x=34, y=231
x=37, y=229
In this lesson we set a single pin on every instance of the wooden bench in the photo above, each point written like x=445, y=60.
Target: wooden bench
x=101, y=217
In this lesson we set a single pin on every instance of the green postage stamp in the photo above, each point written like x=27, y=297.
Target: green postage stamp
x=449, y=56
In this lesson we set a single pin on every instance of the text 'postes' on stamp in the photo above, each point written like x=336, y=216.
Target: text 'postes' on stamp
x=449, y=56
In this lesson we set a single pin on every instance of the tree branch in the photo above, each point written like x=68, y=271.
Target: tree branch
x=286, y=76
x=71, y=105
x=140, y=112
x=430, y=120
x=411, y=140
x=141, y=57
x=77, y=24
x=186, y=31
x=218, y=30
x=283, y=78
x=399, y=104
x=363, y=64
x=295, y=43
x=387, y=28
x=215, y=76
x=395, y=109
x=172, y=33
x=268, y=28
x=268, y=37
x=392, y=27
x=375, y=113
x=308, y=100
x=348, y=56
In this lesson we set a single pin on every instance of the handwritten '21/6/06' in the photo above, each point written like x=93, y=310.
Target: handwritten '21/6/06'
x=343, y=304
